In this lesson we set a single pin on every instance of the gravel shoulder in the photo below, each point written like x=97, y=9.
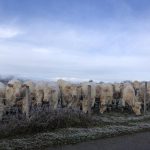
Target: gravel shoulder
x=136, y=141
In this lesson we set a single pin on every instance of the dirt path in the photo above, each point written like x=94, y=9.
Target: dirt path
x=138, y=141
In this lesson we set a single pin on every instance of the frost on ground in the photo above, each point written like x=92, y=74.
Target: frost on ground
x=114, y=125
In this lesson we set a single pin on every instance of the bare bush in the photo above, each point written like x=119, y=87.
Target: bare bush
x=43, y=120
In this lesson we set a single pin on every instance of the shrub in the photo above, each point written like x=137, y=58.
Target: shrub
x=44, y=120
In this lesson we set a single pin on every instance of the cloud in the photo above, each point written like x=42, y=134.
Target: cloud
x=105, y=50
x=7, y=32
x=112, y=39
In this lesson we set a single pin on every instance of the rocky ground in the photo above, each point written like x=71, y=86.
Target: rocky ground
x=108, y=125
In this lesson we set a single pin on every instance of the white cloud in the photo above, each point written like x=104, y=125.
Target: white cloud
x=7, y=32
x=112, y=53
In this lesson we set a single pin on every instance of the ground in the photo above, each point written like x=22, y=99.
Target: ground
x=108, y=125
x=136, y=141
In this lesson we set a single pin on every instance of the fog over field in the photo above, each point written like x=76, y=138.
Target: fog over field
x=75, y=40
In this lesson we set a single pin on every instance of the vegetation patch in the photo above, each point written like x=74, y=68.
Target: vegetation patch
x=42, y=121
x=53, y=128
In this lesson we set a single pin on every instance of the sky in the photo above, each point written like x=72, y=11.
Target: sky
x=77, y=40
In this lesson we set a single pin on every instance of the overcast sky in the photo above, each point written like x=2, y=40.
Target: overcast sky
x=103, y=40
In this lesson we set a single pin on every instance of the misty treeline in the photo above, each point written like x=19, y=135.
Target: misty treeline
x=5, y=79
